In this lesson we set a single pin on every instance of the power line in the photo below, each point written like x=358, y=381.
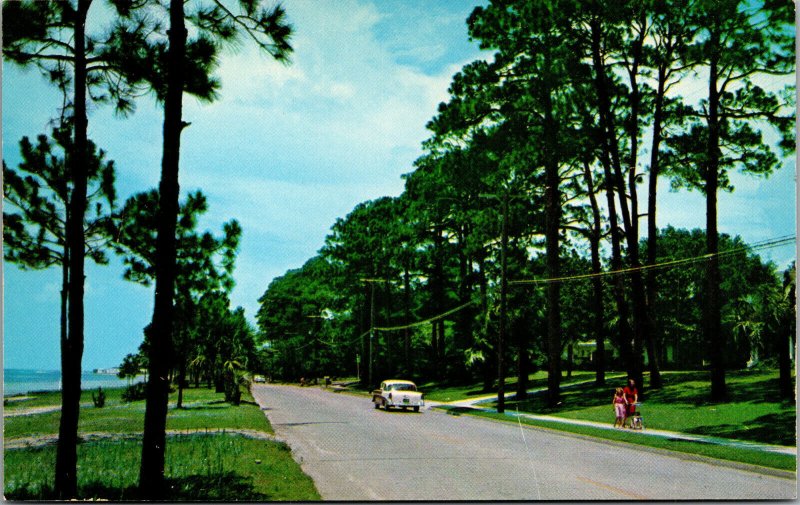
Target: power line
x=766, y=244
x=426, y=321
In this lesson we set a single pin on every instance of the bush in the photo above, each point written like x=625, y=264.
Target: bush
x=99, y=400
x=135, y=392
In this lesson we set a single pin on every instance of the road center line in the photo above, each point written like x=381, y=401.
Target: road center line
x=615, y=489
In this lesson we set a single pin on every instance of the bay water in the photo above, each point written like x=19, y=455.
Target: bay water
x=20, y=380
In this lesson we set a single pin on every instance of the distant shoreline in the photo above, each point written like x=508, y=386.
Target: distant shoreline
x=19, y=381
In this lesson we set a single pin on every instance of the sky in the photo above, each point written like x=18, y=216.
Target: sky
x=286, y=150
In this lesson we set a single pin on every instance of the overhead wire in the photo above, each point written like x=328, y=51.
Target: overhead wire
x=426, y=321
x=765, y=244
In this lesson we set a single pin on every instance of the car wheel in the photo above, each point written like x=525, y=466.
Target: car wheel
x=416, y=409
x=386, y=406
x=377, y=405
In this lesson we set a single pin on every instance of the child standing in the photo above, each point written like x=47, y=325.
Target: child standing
x=620, y=404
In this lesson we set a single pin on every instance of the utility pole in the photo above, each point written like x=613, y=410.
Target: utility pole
x=371, y=330
x=501, y=375
x=503, y=326
x=371, y=326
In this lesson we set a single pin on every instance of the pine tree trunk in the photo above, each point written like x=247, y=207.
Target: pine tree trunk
x=463, y=338
x=151, y=474
x=181, y=381
x=66, y=478
x=552, y=198
x=712, y=314
x=610, y=158
x=597, y=283
x=652, y=227
x=642, y=332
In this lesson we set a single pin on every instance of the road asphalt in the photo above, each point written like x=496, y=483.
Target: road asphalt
x=356, y=453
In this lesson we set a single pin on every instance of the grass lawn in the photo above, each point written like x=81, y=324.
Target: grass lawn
x=684, y=405
x=201, y=466
x=203, y=409
x=439, y=392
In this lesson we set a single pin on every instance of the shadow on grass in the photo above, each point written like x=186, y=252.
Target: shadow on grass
x=227, y=486
x=205, y=407
x=772, y=428
x=456, y=411
x=743, y=387
x=688, y=388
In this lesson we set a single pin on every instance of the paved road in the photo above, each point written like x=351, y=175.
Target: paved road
x=354, y=452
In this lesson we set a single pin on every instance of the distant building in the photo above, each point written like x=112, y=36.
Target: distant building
x=584, y=352
x=106, y=371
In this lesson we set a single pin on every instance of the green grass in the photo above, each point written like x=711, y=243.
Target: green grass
x=203, y=410
x=41, y=399
x=684, y=405
x=198, y=467
x=440, y=392
x=737, y=454
x=204, y=466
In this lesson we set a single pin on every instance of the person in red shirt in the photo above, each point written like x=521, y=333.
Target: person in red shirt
x=631, y=397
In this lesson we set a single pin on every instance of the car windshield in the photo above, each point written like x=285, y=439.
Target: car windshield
x=402, y=387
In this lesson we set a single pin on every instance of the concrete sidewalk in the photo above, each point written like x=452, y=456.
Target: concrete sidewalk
x=474, y=403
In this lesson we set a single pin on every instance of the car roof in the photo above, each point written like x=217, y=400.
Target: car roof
x=398, y=381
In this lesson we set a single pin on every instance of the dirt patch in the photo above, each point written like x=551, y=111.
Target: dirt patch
x=16, y=398
x=30, y=411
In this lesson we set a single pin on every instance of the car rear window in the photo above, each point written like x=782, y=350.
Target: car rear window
x=402, y=387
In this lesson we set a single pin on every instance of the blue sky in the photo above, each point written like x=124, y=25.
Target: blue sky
x=287, y=150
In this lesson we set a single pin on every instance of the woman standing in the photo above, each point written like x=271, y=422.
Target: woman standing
x=631, y=397
x=619, y=404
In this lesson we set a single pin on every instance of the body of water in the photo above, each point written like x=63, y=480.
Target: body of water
x=17, y=381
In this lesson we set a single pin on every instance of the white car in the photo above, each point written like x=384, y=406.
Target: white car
x=398, y=393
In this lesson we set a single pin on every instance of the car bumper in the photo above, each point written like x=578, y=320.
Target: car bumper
x=410, y=403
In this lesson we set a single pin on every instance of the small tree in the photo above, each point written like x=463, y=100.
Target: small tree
x=205, y=263
x=37, y=216
x=131, y=367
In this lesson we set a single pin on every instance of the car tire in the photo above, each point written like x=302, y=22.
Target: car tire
x=377, y=405
x=416, y=409
x=387, y=406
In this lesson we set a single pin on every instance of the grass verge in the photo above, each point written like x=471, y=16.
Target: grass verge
x=199, y=467
x=203, y=409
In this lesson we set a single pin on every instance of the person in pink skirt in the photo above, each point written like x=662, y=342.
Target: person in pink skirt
x=620, y=408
